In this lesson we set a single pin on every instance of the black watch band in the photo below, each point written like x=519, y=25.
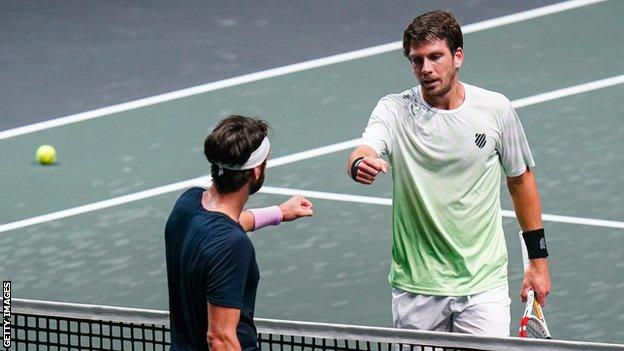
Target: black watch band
x=354, y=167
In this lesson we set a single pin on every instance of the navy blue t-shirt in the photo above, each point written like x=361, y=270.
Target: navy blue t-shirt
x=209, y=259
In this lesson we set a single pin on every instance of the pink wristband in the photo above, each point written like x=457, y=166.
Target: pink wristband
x=266, y=216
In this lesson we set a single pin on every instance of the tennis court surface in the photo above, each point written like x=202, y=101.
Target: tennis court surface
x=89, y=229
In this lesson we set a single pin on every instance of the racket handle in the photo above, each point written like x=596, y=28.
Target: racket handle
x=525, y=254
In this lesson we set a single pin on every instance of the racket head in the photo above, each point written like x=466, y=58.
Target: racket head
x=533, y=324
x=532, y=327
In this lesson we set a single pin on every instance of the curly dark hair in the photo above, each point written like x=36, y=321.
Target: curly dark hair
x=231, y=142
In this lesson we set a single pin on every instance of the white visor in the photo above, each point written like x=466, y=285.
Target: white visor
x=255, y=159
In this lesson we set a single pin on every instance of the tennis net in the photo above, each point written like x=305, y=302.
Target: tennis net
x=46, y=325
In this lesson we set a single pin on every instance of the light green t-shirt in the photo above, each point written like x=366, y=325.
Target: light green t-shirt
x=447, y=167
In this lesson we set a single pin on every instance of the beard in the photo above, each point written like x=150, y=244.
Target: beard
x=445, y=84
x=255, y=186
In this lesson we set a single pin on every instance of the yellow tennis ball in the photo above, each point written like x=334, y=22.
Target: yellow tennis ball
x=46, y=154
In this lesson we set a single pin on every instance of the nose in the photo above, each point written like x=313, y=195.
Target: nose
x=426, y=68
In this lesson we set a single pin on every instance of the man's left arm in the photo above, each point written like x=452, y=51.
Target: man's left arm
x=293, y=208
x=527, y=205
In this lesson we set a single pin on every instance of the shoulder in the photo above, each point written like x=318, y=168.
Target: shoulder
x=393, y=105
x=184, y=207
x=223, y=228
x=192, y=192
x=212, y=235
x=230, y=239
x=189, y=196
x=398, y=99
x=492, y=99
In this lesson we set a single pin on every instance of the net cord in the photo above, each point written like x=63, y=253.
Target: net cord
x=311, y=329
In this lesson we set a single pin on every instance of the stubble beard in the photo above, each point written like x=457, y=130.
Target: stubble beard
x=255, y=186
x=444, y=88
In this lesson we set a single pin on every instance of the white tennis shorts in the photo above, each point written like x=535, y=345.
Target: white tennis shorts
x=485, y=313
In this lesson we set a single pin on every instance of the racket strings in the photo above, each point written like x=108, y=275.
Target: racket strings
x=535, y=328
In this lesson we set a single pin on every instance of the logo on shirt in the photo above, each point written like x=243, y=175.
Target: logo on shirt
x=480, y=140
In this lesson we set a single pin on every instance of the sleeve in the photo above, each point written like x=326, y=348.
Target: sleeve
x=515, y=154
x=228, y=271
x=379, y=132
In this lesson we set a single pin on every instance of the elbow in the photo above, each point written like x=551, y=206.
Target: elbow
x=514, y=184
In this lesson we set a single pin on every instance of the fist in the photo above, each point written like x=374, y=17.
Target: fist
x=368, y=169
x=296, y=207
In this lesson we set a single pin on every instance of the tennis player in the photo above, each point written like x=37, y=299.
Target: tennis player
x=449, y=143
x=211, y=265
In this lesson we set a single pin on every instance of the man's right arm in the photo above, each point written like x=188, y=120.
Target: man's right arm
x=367, y=165
x=291, y=209
x=222, y=323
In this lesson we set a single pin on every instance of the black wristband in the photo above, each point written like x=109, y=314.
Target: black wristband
x=354, y=167
x=535, y=242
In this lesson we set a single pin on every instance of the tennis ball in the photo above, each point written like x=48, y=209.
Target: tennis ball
x=46, y=154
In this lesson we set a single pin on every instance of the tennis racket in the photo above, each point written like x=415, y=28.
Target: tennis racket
x=533, y=323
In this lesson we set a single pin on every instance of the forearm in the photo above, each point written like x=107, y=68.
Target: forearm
x=295, y=207
x=526, y=201
x=223, y=341
x=527, y=205
x=221, y=333
x=257, y=218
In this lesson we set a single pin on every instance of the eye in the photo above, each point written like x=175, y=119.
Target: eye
x=416, y=60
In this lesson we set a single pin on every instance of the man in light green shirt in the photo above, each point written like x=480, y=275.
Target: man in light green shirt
x=449, y=143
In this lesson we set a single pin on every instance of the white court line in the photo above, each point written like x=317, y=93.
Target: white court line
x=578, y=89
x=526, y=15
x=199, y=181
x=102, y=204
x=324, y=150
x=388, y=202
x=327, y=196
x=248, y=78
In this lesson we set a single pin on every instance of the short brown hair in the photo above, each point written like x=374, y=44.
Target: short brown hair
x=430, y=26
x=231, y=142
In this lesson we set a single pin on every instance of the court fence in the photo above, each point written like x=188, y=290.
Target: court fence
x=46, y=325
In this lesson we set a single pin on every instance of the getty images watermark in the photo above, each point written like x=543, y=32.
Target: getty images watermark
x=6, y=314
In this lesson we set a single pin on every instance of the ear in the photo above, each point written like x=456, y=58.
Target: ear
x=257, y=172
x=458, y=58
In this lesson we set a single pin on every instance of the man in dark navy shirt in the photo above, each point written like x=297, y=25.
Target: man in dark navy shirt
x=211, y=265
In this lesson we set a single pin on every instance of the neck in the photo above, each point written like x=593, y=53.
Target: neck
x=230, y=204
x=450, y=100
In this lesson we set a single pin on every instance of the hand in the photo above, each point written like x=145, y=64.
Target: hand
x=296, y=207
x=369, y=168
x=536, y=278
